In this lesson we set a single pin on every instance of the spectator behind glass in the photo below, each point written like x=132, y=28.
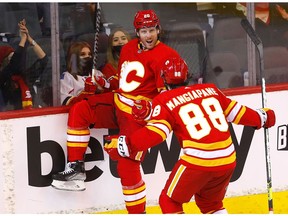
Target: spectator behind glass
x=43, y=12
x=270, y=21
x=15, y=80
x=76, y=83
x=116, y=40
x=79, y=66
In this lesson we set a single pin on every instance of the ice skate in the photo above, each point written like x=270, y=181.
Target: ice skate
x=72, y=178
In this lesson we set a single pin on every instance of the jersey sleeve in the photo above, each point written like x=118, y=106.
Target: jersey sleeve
x=243, y=115
x=239, y=114
x=157, y=129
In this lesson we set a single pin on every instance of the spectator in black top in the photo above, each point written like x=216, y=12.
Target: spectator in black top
x=15, y=80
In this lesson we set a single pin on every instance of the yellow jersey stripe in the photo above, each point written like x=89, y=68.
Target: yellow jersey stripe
x=27, y=103
x=161, y=127
x=139, y=155
x=157, y=130
x=239, y=116
x=228, y=109
x=161, y=122
x=210, y=163
x=175, y=180
x=136, y=202
x=71, y=144
x=208, y=155
x=78, y=138
x=122, y=106
x=134, y=191
x=78, y=132
x=208, y=146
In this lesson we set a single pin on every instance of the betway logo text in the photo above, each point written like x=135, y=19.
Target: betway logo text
x=169, y=156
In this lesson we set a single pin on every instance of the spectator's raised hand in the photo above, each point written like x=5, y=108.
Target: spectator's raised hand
x=282, y=12
x=23, y=32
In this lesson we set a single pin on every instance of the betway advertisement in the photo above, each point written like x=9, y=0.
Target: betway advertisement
x=33, y=148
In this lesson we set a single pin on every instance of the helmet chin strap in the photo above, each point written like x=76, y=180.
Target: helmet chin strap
x=142, y=47
x=168, y=87
x=174, y=86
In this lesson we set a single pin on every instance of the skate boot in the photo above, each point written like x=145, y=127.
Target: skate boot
x=72, y=178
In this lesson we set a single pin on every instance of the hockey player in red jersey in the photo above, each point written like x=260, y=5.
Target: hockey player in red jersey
x=139, y=79
x=139, y=69
x=199, y=116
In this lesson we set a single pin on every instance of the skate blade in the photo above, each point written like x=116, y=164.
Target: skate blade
x=75, y=185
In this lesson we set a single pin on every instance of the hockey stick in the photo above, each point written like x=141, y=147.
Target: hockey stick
x=259, y=45
x=96, y=46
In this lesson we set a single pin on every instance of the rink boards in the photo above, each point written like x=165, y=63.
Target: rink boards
x=33, y=147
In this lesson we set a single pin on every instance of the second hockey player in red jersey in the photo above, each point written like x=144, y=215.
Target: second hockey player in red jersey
x=139, y=69
x=199, y=116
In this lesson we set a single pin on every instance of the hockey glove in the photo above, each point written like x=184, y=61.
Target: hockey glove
x=267, y=117
x=102, y=82
x=141, y=110
x=90, y=87
x=96, y=85
x=116, y=146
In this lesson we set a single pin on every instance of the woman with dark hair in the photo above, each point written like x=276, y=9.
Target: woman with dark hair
x=79, y=67
x=116, y=40
x=76, y=82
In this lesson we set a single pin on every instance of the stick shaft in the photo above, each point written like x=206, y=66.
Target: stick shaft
x=96, y=46
x=259, y=45
x=96, y=38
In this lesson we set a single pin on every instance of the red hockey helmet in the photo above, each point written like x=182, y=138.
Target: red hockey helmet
x=174, y=71
x=146, y=18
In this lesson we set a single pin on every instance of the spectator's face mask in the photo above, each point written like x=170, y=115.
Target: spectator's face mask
x=86, y=65
x=116, y=50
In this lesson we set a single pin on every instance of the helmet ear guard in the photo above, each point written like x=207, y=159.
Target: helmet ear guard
x=174, y=72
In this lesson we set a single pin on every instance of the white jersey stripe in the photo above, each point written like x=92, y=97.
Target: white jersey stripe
x=209, y=154
x=133, y=197
x=162, y=127
x=77, y=138
x=233, y=113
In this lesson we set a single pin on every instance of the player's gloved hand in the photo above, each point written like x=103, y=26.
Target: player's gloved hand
x=95, y=86
x=102, y=82
x=267, y=117
x=90, y=87
x=141, y=110
x=116, y=146
x=110, y=146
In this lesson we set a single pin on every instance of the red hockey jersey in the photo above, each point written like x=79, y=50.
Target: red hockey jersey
x=199, y=116
x=139, y=70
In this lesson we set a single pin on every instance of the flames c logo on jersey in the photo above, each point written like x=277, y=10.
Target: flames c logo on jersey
x=126, y=70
